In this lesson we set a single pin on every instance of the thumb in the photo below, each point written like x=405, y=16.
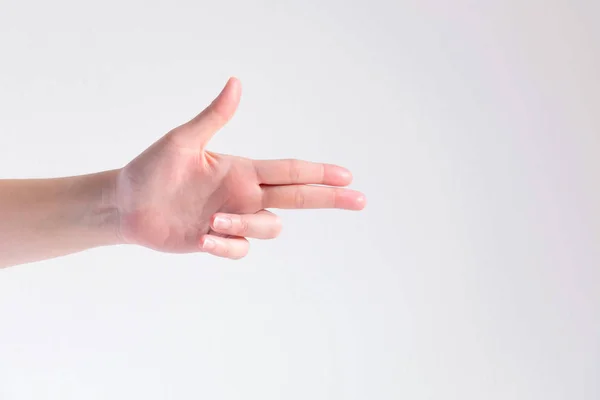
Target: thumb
x=197, y=132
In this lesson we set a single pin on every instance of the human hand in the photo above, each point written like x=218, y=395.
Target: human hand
x=179, y=197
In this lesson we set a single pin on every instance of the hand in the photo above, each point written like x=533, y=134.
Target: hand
x=179, y=197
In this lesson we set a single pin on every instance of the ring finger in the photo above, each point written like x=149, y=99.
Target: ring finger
x=233, y=247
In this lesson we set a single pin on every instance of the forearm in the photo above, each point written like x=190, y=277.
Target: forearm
x=47, y=218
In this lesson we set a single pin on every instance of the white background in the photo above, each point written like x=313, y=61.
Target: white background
x=472, y=126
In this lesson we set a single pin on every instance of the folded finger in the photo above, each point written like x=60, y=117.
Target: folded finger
x=233, y=248
x=262, y=225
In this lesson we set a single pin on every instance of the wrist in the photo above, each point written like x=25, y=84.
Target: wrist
x=100, y=218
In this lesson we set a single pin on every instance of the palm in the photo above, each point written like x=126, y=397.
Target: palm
x=169, y=193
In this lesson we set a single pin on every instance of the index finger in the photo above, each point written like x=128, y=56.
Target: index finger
x=299, y=172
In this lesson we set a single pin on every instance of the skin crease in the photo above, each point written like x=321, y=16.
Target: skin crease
x=168, y=196
x=175, y=197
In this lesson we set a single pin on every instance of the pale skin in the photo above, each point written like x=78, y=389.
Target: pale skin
x=176, y=197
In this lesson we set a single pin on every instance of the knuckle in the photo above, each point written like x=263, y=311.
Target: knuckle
x=294, y=171
x=177, y=140
x=225, y=251
x=335, y=195
x=218, y=113
x=173, y=137
x=300, y=198
x=243, y=226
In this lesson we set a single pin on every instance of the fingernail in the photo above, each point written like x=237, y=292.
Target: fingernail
x=209, y=244
x=222, y=223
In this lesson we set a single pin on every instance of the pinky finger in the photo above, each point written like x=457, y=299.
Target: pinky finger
x=232, y=247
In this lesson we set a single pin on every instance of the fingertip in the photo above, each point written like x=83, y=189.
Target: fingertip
x=226, y=103
x=337, y=176
x=277, y=227
x=346, y=176
x=232, y=89
x=235, y=85
x=361, y=202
